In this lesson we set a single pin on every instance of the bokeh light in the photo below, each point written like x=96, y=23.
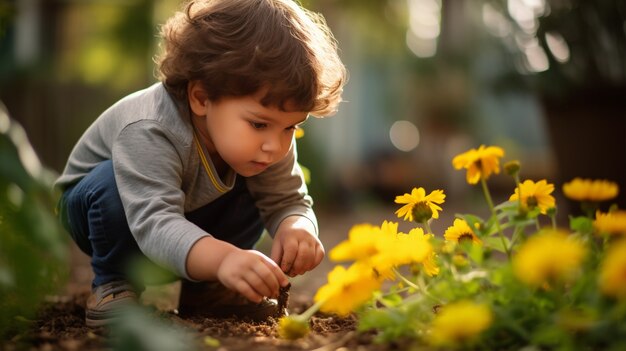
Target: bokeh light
x=404, y=135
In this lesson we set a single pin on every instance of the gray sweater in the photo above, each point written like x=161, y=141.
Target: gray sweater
x=160, y=177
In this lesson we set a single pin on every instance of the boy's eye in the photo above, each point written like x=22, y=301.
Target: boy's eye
x=258, y=125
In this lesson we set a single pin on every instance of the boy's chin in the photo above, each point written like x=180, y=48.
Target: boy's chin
x=248, y=172
x=250, y=169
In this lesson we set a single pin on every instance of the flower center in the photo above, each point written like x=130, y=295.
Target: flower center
x=479, y=164
x=465, y=236
x=422, y=212
x=531, y=202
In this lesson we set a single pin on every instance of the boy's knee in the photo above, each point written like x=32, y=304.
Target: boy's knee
x=103, y=185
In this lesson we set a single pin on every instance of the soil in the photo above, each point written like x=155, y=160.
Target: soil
x=60, y=324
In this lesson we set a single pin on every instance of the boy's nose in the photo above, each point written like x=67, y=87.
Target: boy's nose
x=271, y=145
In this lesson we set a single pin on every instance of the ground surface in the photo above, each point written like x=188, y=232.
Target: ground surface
x=60, y=324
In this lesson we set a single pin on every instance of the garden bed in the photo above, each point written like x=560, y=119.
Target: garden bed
x=60, y=325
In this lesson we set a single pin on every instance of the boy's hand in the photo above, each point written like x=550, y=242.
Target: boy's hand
x=252, y=274
x=296, y=248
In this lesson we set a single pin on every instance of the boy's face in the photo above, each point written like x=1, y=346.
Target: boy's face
x=246, y=135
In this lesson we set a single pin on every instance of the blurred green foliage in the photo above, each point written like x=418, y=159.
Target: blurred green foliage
x=6, y=13
x=33, y=252
x=116, y=47
x=140, y=330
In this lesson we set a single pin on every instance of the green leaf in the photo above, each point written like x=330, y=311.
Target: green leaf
x=495, y=242
x=475, y=252
x=507, y=206
x=391, y=323
x=581, y=224
x=474, y=222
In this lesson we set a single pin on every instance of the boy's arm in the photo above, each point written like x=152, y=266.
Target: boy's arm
x=281, y=192
x=148, y=172
x=282, y=197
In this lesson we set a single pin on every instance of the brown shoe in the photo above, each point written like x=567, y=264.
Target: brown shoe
x=215, y=300
x=106, y=301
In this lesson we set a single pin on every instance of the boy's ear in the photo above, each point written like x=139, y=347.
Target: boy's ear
x=198, y=98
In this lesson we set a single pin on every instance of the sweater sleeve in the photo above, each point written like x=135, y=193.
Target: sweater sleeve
x=281, y=192
x=148, y=171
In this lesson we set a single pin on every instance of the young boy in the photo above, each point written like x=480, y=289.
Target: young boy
x=189, y=171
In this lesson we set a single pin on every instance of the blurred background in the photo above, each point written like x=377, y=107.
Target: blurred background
x=544, y=79
x=429, y=79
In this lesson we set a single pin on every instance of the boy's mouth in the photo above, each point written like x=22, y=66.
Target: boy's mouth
x=261, y=165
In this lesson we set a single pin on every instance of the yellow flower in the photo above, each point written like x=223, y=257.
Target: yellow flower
x=460, y=322
x=383, y=248
x=430, y=265
x=590, y=190
x=612, y=278
x=535, y=195
x=392, y=252
x=460, y=231
x=414, y=247
x=363, y=243
x=292, y=327
x=550, y=255
x=425, y=204
x=411, y=247
x=613, y=222
x=347, y=289
x=480, y=164
x=299, y=133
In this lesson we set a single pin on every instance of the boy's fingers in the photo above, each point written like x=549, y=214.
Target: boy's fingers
x=319, y=255
x=278, y=273
x=276, y=253
x=299, y=264
x=289, y=255
x=246, y=290
x=269, y=278
x=262, y=286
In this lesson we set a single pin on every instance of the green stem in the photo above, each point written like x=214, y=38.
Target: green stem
x=589, y=208
x=508, y=225
x=517, y=233
x=306, y=315
x=483, y=182
x=427, y=227
x=381, y=298
x=404, y=279
x=519, y=193
x=418, y=287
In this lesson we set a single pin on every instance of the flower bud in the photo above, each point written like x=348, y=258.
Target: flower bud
x=292, y=328
x=512, y=167
x=551, y=211
x=460, y=261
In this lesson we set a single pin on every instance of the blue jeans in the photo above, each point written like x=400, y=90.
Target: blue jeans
x=92, y=212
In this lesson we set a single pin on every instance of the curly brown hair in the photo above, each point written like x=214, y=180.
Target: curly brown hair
x=237, y=47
